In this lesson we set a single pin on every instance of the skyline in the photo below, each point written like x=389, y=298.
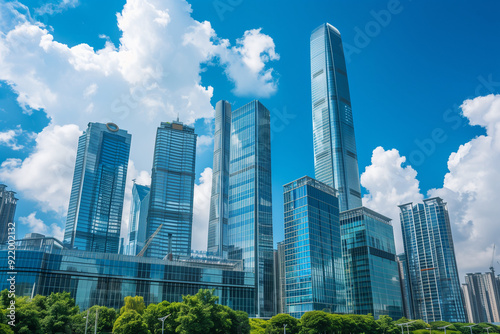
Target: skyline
x=283, y=143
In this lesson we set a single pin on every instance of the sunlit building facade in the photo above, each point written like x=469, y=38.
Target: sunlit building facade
x=96, y=202
x=172, y=191
x=136, y=237
x=250, y=229
x=482, y=297
x=335, y=157
x=371, y=270
x=432, y=273
x=314, y=271
x=219, y=205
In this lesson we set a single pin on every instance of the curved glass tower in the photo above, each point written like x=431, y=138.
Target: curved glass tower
x=335, y=158
x=219, y=211
x=96, y=202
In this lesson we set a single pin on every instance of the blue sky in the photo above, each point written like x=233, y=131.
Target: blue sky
x=411, y=64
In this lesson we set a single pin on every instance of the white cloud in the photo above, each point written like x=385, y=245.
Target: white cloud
x=51, y=8
x=38, y=226
x=203, y=141
x=470, y=188
x=9, y=138
x=390, y=184
x=152, y=75
x=46, y=175
x=201, y=206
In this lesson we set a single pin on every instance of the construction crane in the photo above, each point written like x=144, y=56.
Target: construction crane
x=493, y=260
x=145, y=248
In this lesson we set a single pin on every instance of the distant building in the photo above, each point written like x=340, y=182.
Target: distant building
x=482, y=297
x=314, y=272
x=96, y=202
x=219, y=201
x=250, y=229
x=8, y=203
x=335, y=157
x=138, y=219
x=93, y=278
x=431, y=265
x=371, y=271
x=172, y=190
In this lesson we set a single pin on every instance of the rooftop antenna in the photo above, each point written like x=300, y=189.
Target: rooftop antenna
x=177, y=117
x=493, y=260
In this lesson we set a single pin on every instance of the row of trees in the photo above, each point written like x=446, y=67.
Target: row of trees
x=320, y=322
x=198, y=314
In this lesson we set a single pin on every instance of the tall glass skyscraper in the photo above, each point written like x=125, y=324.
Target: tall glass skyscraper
x=371, y=270
x=8, y=203
x=172, y=190
x=250, y=230
x=138, y=220
x=335, y=158
x=430, y=262
x=314, y=272
x=96, y=202
x=219, y=207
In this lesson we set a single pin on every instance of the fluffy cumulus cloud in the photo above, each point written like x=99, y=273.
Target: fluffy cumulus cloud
x=46, y=175
x=38, y=226
x=470, y=187
x=152, y=75
x=390, y=183
x=9, y=138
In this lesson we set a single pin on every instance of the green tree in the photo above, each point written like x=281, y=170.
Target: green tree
x=130, y=322
x=385, y=325
x=196, y=314
x=239, y=322
x=275, y=324
x=155, y=311
x=133, y=303
x=60, y=310
x=315, y=322
x=336, y=322
x=6, y=329
x=257, y=326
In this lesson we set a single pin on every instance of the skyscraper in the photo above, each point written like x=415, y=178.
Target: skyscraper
x=96, y=202
x=250, y=229
x=8, y=203
x=335, y=158
x=219, y=207
x=314, y=271
x=280, y=286
x=482, y=297
x=138, y=219
x=172, y=190
x=371, y=270
x=432, y=273
x=405, y=292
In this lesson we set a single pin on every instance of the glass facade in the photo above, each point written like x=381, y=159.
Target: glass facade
x=431, y=265
x=8, y=203
x=280, y=279
x=172, y=190
x=136, y=237
x=96, y=203
x=314, y=272
x=335, y=157
x=219, y=201
x=405, y=292
x=106, y=279
x=371, y=270
x=250, y=229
